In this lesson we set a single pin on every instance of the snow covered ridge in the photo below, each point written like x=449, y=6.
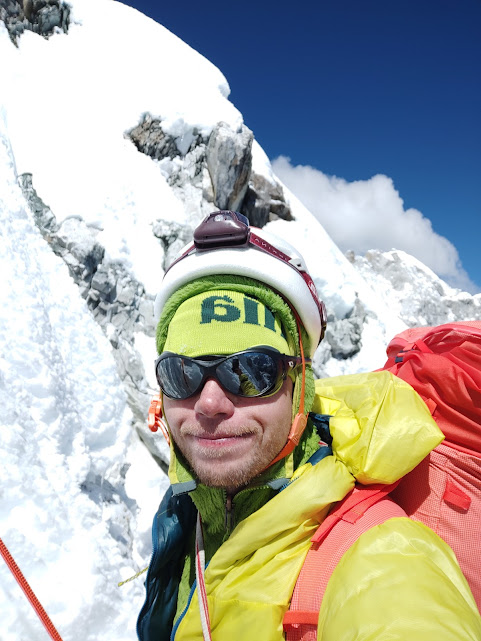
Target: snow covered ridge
x=414, y=291
x=106, y=166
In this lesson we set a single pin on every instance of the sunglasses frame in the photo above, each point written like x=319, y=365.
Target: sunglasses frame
x=209, y=364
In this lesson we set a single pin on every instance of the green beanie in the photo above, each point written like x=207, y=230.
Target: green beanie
x=222, y=322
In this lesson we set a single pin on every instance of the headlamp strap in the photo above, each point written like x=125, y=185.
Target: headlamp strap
x=263, y=245
x=300, y=420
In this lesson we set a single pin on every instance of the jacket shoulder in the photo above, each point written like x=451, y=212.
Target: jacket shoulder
x=399, y=580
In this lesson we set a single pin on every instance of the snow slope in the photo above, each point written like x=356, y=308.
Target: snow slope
x=65, y=432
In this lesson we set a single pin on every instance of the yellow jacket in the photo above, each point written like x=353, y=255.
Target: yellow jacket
x=399, y=581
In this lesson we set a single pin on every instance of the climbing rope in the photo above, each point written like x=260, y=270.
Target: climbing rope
x=23, y=583
x=132, y=577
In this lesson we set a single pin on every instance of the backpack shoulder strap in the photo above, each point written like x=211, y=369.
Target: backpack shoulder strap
x=363, y=508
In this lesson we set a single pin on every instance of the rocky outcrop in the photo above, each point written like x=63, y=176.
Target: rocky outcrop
x=212, y=173
x=343, y=338
x=150, y=139
x=264, y=201
x=173, y=237
x=344, y=335
x=40, y=16
x=116, y=299
x=229, y=160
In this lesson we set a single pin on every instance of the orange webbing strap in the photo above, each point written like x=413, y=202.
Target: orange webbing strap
x=300, y=420
x=34, y=602
x=362, y=509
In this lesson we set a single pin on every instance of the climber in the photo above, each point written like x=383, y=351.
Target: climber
x=260, y=454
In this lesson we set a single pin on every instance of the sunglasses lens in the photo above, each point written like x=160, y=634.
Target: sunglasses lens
x=178, y=378
x=249, y=374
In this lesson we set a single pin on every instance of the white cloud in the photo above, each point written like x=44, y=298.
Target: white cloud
x=370, y=214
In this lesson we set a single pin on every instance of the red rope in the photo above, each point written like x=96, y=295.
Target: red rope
x=34, y=602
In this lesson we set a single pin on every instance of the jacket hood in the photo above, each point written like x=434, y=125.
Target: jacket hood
x=380, y=427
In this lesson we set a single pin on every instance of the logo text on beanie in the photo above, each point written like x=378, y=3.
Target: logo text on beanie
x=224, y=310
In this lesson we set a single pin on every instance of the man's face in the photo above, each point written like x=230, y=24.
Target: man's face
x=229, y=440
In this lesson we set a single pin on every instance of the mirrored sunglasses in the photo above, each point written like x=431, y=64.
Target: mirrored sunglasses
x=259, y=371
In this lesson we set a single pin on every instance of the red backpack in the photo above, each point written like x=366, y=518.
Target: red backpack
x=443, y=364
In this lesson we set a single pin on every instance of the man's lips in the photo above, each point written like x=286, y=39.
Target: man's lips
x=220, y=435
x=219, y=439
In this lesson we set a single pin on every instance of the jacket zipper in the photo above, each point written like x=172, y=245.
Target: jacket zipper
x=183, y=613
x=229, y=512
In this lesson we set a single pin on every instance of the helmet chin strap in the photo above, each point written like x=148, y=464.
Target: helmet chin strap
x=300, y=420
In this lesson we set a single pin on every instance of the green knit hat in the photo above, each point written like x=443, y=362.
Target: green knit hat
x=222, y=322
x=239, y=313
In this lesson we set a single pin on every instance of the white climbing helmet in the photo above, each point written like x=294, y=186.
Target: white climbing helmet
x=225, y=243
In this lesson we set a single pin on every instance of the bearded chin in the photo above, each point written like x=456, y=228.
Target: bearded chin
x=229, y=477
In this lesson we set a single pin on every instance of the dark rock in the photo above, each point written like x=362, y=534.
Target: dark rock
x=264, y=201
x=210, y=174
x=44, y=218
x=256, y=209
x=229, y=161
x=344, y=335
x=173, y=238
x=151, y=140
x=43, y=17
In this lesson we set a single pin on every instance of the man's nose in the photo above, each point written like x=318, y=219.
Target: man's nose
x=213, y=401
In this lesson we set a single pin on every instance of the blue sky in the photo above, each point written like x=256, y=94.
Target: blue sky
x=354, y=89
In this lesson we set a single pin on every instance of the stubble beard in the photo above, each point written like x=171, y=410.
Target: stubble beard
x=213, y=472
x=229, y=477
